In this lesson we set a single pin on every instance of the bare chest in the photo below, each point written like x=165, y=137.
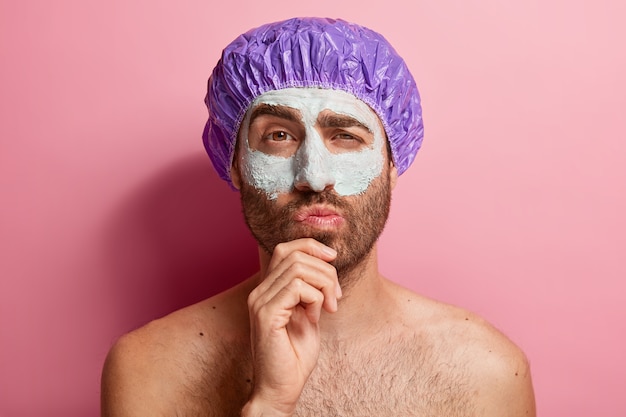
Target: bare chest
x=401, y=380
x=397, y=378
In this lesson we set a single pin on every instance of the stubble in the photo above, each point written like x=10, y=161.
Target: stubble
x=365, y=216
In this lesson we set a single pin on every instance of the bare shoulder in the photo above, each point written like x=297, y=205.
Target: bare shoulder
x=496, y=370
x=161, y=363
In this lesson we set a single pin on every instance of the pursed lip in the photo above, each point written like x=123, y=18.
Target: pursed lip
x=320, y=216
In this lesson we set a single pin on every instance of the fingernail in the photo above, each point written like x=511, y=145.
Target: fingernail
x=338, y=291
x=329, y=251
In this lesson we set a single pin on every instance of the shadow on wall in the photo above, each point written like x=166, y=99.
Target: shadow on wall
x=177, y=239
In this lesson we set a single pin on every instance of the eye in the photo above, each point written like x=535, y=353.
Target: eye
x=345, y=136
x=347, y=141
x=278, y=136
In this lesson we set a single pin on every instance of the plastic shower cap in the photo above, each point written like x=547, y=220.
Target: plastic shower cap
x=312, y=52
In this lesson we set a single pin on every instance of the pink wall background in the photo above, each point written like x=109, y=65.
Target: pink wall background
x=111, y=214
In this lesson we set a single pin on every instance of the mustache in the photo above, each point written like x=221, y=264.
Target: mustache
x=328, y=197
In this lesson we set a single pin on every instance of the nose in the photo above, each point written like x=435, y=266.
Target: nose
x=313, y=168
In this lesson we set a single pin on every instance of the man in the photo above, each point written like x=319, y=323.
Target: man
x=313, y=120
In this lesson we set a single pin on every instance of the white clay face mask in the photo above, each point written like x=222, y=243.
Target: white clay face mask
x=313, y=164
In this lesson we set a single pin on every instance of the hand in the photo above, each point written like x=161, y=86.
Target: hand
x=284, y=314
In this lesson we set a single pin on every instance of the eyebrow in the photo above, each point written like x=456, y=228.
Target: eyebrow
x=277, y=111
x=341, y=121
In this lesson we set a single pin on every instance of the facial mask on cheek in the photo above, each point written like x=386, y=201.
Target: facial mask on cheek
x=354, y=171
x=272, y=174
x=313, y=164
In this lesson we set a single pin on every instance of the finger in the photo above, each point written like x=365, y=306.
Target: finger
x=307, y=245
x=318, y=274
x=276, y=277
x=279, y=309
x=310, y=300
x=277, y=271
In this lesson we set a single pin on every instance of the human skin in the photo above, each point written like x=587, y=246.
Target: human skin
x=285, y=311
x=316, y=149
x=348, y=157
x=298, y=338
x=299, y=280
x=285, y=308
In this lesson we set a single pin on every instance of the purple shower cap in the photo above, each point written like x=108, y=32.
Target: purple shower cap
x=312, y=52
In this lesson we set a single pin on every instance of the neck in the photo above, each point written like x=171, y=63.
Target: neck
x=364, y=297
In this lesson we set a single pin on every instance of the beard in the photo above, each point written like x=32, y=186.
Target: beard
x=364, y=216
